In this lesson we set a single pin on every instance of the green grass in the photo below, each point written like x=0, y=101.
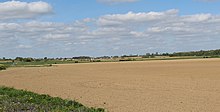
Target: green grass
x=12, y=100
x=41, y=63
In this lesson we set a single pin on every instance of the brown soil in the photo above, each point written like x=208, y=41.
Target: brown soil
x=152, y=86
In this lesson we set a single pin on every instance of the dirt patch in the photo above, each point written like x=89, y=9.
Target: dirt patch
x=152, y=86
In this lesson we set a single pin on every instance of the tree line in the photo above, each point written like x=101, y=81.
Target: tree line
x=198, y=53
x=212, y=53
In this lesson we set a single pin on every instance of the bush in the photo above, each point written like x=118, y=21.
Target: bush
x=96, y=61
x=126, y=59
x=2, y=67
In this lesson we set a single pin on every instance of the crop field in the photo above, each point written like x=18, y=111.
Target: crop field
x=191, y=85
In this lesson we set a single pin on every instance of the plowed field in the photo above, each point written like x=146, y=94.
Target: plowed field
x=150, y=86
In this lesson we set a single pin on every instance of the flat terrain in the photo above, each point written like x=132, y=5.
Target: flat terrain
x=150, y=86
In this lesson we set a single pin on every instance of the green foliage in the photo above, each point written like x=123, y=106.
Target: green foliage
x=213, y=53
x=2, y=67
x=19, y=59
x=96, y=61
x=24, y=59
x=129, y=59
x=28, y=59
x=12, y=100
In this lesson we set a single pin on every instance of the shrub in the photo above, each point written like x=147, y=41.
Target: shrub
x=126, y=59
x=2, y=67
x=96, y=61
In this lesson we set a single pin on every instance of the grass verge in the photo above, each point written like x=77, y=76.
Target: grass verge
x=12, y=100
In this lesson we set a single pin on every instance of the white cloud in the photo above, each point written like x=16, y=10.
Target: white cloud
x=116, y=1
x=23, y=46
x=197, y=17
x=115, y=34
x=56, y=36
x=117, y=19
x=23, y=10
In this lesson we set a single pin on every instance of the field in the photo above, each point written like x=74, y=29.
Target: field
x=145, y=86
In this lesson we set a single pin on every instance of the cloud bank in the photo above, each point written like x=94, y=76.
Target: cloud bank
x=23, y=10
x=114, y=34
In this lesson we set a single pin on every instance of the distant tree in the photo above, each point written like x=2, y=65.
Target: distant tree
x=19, y=59
x=165, y=54
x=116, y=56
x=147, y=54
x=198, y=53
x=28, y=59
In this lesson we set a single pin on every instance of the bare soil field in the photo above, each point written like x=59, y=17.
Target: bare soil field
x=150, y=86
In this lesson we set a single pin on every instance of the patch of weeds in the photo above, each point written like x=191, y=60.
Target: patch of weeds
x=12, y=100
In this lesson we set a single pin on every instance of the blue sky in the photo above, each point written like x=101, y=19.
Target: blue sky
x=68, y=11
x=56, y=28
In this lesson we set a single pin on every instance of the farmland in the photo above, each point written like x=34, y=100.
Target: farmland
x=136, y=86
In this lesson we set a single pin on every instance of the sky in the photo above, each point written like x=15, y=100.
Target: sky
x=67, y=28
